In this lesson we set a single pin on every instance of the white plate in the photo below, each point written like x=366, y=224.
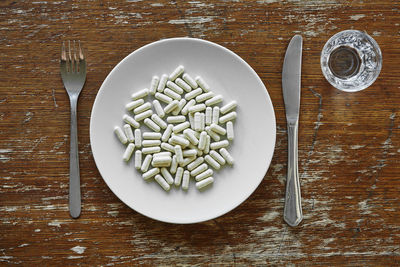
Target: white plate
x=252, y=148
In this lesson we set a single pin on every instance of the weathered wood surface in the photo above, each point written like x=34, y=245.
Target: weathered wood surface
x=349, y=146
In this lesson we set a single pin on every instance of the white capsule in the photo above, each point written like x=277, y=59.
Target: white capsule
x=174, y=165
x=176, y=119
x=197, y=108
x=178, y=176
x=215, y=115
x=162, y=154
x=159, y=110
x=202, y=84
x=185, y=180
x=163, y=98
x=151, y=150
x=193, y=94
x=189, y=104
x=203, y=183
x=176, y=73
x=228, y=107
x=138, y=138
x=178, y=109
x=182, y=84
x=171, y=106
x=212, y=162
x=146, y=163
x=207, y=147
x=190, y=136
x=228, y=117
x=167, y=133
x=177, y=140
x=154, y=84
x=186, y=77
x=134, y=104
x=195, y=163
x=178, y=153
x=204, y=97
x=172, y=94
x=151, y=136
x=143, y=115
x=141, y=94
x=215, y=155
x=150, y=173
x=128, y=119
x=186, y=161
x=212, y=134
x=167, y=147
x=199, y=169
x=197, y=134
x=129, y=133
x=152, y=125
x=160, y=122
x=138, y=159
x=199, y=152
x=229, y=159
x=149, y=143
x=175, y=88
x=128, y=152
x=208, y=115
x=203, y=175
x=215, y=100
x=191, y=120
x=197, y=121
x=120, y=134
x=160, y=180
x=202, y=140
x=217, y=129
x=229, y=131
x=220, y=144
x=189, y=153
x=162, y=83
x=202, y=121
x=168, y=177
x=180, y=127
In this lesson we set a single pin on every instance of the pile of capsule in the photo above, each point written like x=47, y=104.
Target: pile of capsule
x=176, y=148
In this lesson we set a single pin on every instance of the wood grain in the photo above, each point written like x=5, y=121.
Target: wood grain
x=349, y=143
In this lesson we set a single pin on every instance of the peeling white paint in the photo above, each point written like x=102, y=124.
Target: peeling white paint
x=356, y=146
x=357, y=17
x=364, y=207
x=113, y=213
x=269, y=216
x=191, y=20
x=376, y=33
x=78, y=249
x=74, y=257
x=56, y=223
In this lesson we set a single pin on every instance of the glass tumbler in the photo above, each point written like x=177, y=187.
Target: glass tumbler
x=351, y=60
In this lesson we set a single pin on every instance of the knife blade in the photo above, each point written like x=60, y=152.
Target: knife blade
x=291, y=84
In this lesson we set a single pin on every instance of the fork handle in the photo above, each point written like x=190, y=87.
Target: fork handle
x=292, y=213
x=74, y=177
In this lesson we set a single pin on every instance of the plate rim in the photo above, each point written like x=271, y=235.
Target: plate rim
x=265, y=92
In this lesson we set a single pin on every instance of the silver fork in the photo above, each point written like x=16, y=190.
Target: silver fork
x=73, y=73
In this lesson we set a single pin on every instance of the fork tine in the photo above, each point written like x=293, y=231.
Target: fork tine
x=63, y=53
x=69, y=57
x=75, y=59
x=81, y=55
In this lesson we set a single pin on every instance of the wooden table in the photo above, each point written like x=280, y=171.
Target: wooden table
x=349, y=143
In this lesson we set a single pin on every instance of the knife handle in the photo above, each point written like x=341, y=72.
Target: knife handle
x=292, y=213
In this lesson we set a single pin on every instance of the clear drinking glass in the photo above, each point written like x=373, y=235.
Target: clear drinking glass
x=351, y=60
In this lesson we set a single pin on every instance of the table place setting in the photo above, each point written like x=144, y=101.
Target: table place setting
x=200, y=133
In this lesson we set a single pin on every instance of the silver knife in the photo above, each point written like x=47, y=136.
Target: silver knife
x=291, y=76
